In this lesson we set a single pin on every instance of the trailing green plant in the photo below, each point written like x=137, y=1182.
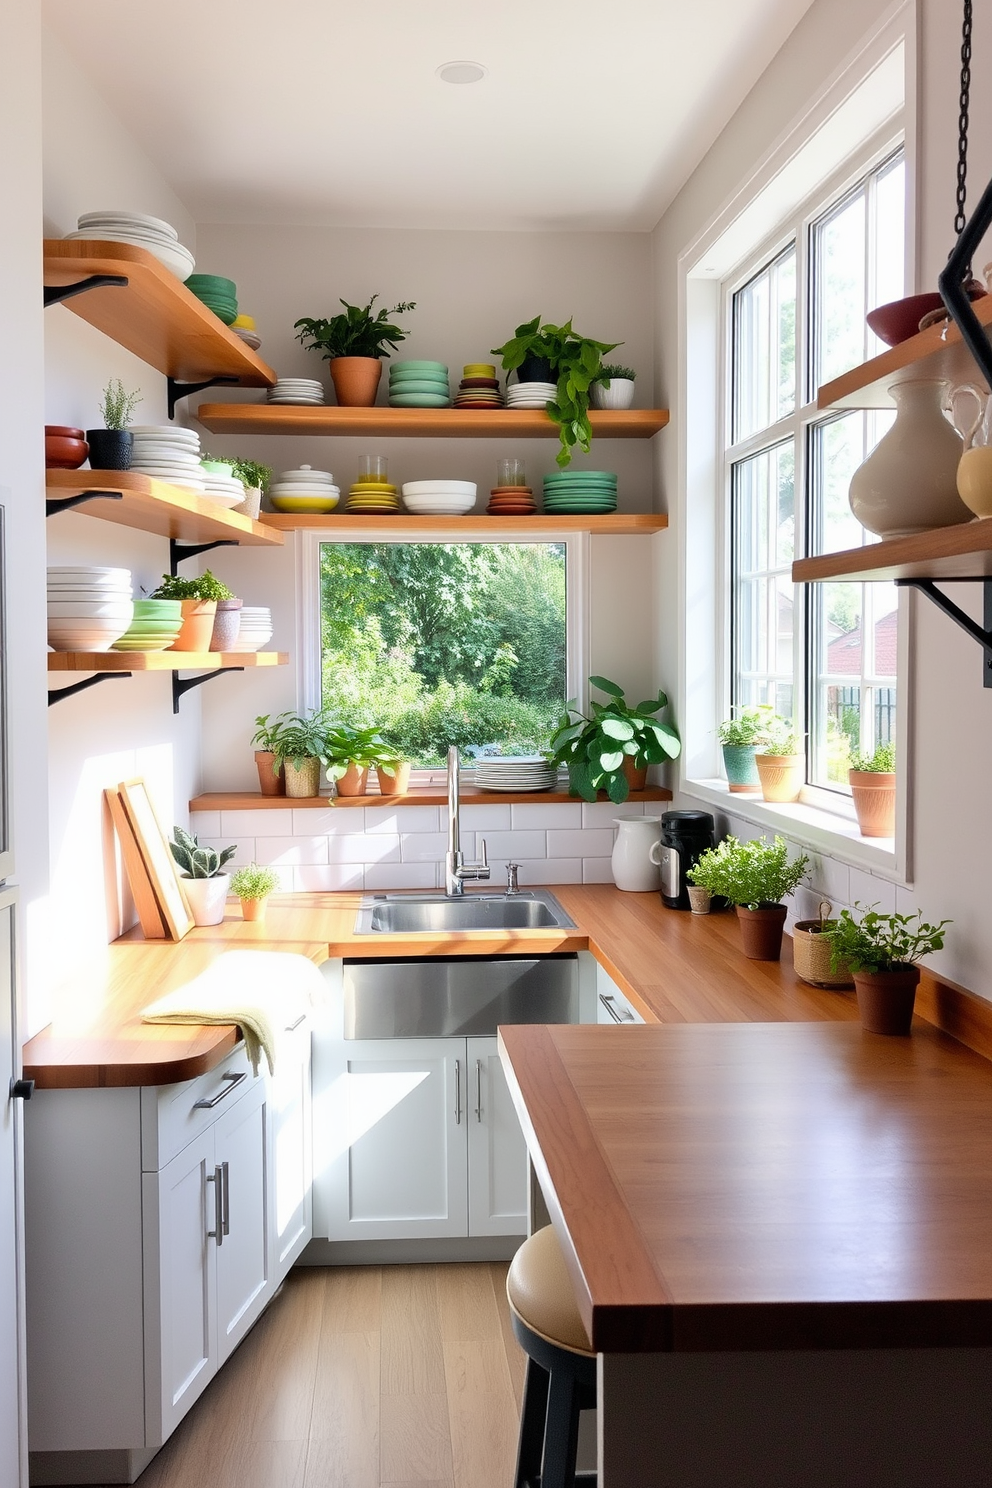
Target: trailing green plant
x=195, y=861
x=251, y=473
x=253, y=882
x=202, y=586
x=347, y=746
x=752, y=874
x=298, y=737
x=594, y=749
x=613, y=369
x=117, y=406
x=576, y=362
x=356, y=333
x=780, y=737
x=747, y=725
x=881, y=761
x=882, y=942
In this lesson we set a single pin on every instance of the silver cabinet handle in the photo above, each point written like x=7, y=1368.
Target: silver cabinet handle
x=218, y=1232
x=478, y=1090
x=458, y=1092
x=292, y=1027
x=225, y=1090
x=619, y=1015
x=225, y=1189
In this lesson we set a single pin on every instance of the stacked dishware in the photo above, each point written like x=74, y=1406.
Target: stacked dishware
x=580, y=492
x=155, y=626
x=530, y=394
x=256, y=628
x=479, y=387
x=439, y=498
x=521, y=772
x=168, y=452
x=218, y=294
x=244, y=326
x=151, y=233
x=220, y=483
x=88, y=608
x=511, y=496
x=304, y=390
x=304, y=490
x=418, y=384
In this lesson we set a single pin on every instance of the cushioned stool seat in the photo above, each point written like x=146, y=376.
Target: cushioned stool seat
x=561, y=1367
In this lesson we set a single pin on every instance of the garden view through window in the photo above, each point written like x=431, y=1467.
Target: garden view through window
x=436, y=644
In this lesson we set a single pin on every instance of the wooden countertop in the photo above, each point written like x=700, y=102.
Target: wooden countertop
x=746, y=1187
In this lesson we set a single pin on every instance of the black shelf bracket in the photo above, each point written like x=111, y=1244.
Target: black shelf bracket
x=56, y=293
x=182, y=685
x=67, y=692
x=952, y=611
x=951, y=283
x=176, y=390
x=180, y=551
x=66, y=503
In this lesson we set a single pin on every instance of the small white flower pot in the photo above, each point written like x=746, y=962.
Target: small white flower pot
x=207, y=898
x=619, y=394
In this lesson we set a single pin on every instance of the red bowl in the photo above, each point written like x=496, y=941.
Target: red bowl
x=62, y=453
x=65, y=431
x=900, y=319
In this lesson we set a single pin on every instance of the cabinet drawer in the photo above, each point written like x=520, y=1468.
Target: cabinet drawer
x=173, y=1115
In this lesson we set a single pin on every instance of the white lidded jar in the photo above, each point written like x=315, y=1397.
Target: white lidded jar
x=909, y=481
x=633, y=869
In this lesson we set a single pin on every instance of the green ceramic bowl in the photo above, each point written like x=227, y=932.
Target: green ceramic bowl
x=408, y=366
x=417, y=385
x=213, y=282
x=419, y=400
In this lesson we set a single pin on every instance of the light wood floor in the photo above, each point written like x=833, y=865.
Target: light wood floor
x=407, y=1376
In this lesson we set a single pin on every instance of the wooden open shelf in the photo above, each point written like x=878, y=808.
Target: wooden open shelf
x=154, y=506
x=619, y=524
x=418, y=795
x=155, y=316
x=938, y=352
x=961, y=552
x=161, y=661
x=429, y=423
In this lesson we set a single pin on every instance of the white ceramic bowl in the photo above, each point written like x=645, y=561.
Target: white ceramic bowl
x=105, y=609
x=84, y=635
x=440, y=488
x=101, y=575
x=89, y=596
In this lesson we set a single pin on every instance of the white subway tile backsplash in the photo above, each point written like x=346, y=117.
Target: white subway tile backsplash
x=486, y=818
x=324, y=879
x=287, y=881
x=400, y=876
x=597, y=870
x=245, y=853
x=291, y=852
x=402, y=819
x=275, y=823
x=516, y=846
x=320, y=820
x=601, y=813
x=205, y=823
x=872, y=892
x=423, y=847
x=537, y=871
x=830, y=877
x=362, y=847
x=586, y=842
x=548, y=814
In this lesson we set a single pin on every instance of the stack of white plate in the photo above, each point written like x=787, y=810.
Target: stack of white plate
x=168, y=453
x=158, y=237
x=256, y=628
x=523, y=772
x=530, y=394
x=224, y=489
x=88, y=608
x=297, y=390
x=441, y=498
x=304, y=490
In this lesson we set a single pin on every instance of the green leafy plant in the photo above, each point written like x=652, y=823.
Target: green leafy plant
x=297, y=738
x=251, y=473
x=882, y=942
x=266, y=732
x=348, y=746
x=117, y=406
x=613, y=369
x=203, y=586
x=594, y=749
x=881, y=761
x=780, y=737
x=749, y=725
x=195, y=861
x=356, y=333
x=576, y=361
x=753, y=874
x=253, y=882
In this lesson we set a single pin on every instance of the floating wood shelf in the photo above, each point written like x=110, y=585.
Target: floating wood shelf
x=428, y=423
x=542, y=524
x=154, y=506
x=961, y=552
x=155, y=316
x=162, y=661
x=418, y=795
x=937, y=352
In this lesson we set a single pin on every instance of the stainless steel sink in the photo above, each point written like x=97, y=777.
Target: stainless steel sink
x=423, y=914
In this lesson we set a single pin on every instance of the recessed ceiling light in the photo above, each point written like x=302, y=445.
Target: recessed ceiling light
x=461, y=72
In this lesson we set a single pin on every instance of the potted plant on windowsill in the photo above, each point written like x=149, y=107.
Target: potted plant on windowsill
x=613, y=387
x=253, y=885
x=574, y=362
x=873, y=786
x=882, y=951
x=780, y=762
x=204, y=882
x=211, y=614
x=271, y=779
x=351, y=754
x=755, y=877
x=353, y=345
x=393, y=773
x=611, y=751
x=740, y=736
x=110, y=447
x=300, y=744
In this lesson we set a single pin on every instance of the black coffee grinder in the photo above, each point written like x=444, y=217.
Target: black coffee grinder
x=685, y=836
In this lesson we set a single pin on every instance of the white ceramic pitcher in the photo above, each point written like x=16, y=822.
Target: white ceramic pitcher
x=633, y=869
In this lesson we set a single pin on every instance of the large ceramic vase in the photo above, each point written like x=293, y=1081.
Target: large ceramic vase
x=742, y=772
x=356, y=380
x=909, y=481
x=761, y=931
x=634, y=868
x=207, y=898
x=874, y=793
x=886, y=998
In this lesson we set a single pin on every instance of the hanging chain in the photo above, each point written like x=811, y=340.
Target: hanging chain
x=963, y=102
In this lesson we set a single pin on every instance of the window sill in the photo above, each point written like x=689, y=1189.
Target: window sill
x=426, y=795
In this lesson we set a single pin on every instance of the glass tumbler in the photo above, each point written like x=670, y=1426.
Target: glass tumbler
x=510, y=473
x=373, y=468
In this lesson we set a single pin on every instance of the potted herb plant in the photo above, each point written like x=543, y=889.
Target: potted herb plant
x=205, y=883
x=110, y=447
x=611, y=751
x=755, y=877
x=780, y=762
x=571, y=360
x=254, y=477
x=211, y=614
x=253, y=885
x=301, y=746
x=393, y=773
x=353, y=345
x=873, y=785
x=882, y=951
x=351, y=754
x=740, y=735
x=613, y=387
x=271, y=779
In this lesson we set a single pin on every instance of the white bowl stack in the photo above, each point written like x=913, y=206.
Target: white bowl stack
x=439, y=498
x=256, y=628
x=304, y=490
x=158, y=237
x=225, y=490
x=168, y=453
x=88, y=608
x=297, y=390
x=530, y=394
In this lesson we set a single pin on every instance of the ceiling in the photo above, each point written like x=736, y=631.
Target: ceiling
x=592, y=115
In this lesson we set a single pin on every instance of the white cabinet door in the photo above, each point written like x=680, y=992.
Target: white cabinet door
x=13, y=1444
x=393, y=1129
x=290, y=1155
x=612, y=1006
x=241, y=1250
x=497, y=1153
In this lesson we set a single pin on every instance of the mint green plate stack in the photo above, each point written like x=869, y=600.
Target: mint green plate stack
x=419, y=385
x=156, y=624
x=218, y=294
x=580, y=493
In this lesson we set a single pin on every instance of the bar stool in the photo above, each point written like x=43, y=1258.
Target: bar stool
x=561, y=1367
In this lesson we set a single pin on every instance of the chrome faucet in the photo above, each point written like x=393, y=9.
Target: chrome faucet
x=456, y=870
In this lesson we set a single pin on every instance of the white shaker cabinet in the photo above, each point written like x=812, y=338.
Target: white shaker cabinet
x=497, y=1152
x=612, y=1005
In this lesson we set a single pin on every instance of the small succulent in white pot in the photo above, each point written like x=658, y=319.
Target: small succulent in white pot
x=613, y=387
x=204, y=883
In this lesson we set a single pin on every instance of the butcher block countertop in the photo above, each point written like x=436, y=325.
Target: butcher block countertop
x=675, y=967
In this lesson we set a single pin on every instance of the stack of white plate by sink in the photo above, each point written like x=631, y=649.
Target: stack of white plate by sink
x=168, y=453
x=530, y=394
x=297, y=390
x=88, y=608
x=522, y=772
x=256, y=628
x=158, y=237
x=439, y=498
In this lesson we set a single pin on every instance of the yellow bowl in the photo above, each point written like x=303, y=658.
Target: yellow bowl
x=244, y=322
x=302, y=504
x=373, y=488
x=479, y=369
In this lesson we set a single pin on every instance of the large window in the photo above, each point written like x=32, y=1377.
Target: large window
x=824, y=657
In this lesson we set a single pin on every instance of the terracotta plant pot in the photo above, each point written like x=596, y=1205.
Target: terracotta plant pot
x=254, y=909
x=227, y=623
x=207, y=898
x=354, y=781
x=636, y=779
x=811, y=956
x=271, y=780
x=302, y=778
x=874, y=793
x=356, y=380
x=742, y=772
x=781, y=775
x=197, y=627
x=761, y=931
x=886, y=998
x=396, y=784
